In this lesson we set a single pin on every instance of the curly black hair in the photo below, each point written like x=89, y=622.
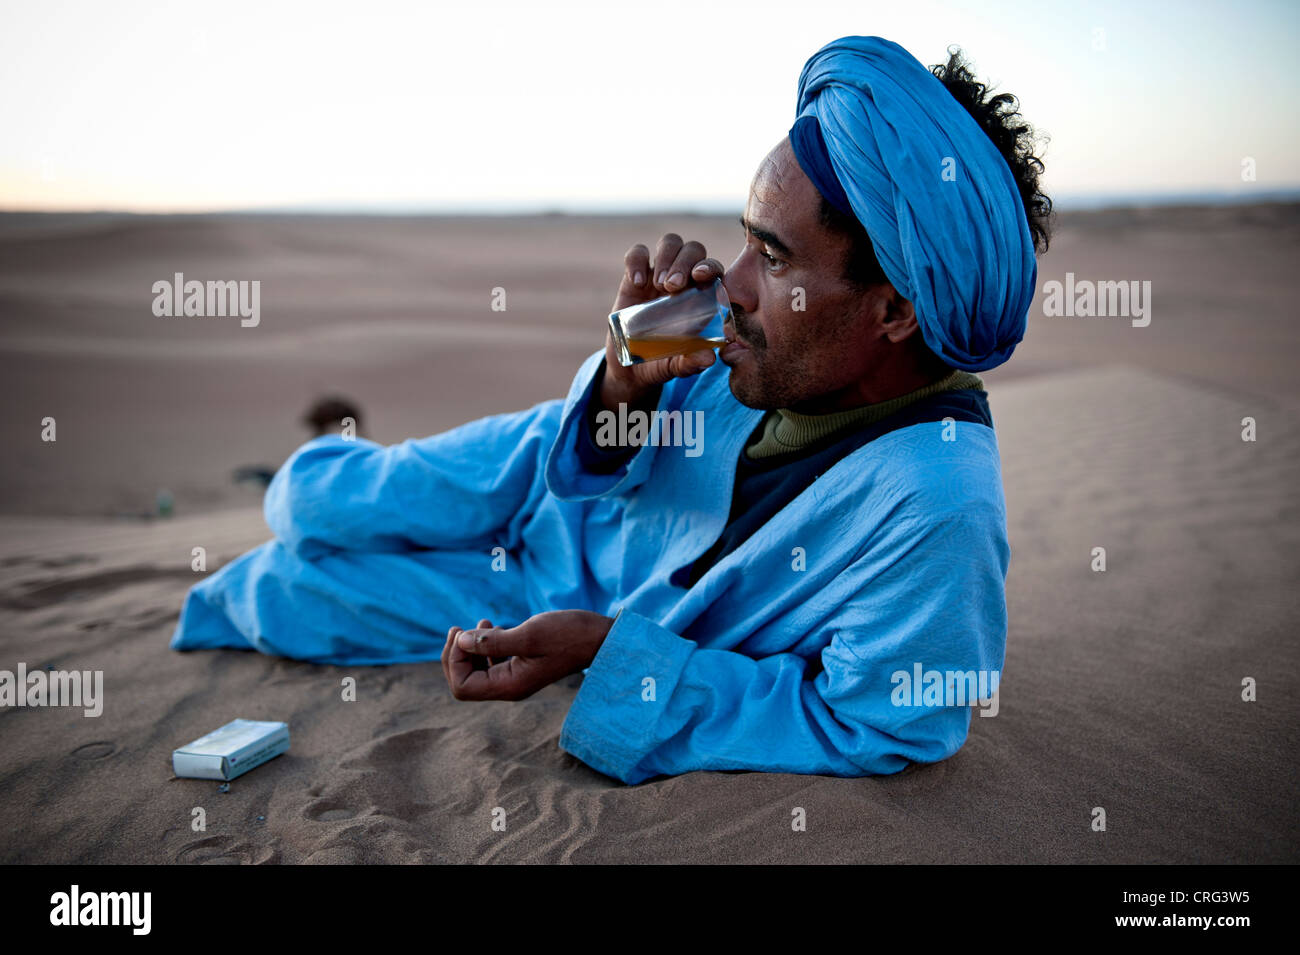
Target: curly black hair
x=1001, y=121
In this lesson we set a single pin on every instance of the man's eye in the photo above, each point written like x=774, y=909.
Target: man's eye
x=772, y=260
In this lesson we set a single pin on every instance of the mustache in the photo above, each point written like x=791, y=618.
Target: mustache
x=739, y=321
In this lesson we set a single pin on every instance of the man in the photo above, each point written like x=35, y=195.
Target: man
x=749, y=607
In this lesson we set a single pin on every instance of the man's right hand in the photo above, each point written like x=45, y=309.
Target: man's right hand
x=677, y=265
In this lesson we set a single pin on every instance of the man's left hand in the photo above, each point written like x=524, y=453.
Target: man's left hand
x=544, y=648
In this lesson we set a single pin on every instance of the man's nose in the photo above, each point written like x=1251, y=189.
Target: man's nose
x=740, y=296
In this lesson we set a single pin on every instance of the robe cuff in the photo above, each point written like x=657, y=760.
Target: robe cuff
x=611, y=725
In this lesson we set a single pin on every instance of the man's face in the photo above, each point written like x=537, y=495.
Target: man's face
x=802, y=360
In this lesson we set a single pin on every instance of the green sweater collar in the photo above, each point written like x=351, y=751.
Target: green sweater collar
x=785, y=431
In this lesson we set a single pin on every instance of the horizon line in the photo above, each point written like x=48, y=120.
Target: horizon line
x=1064, y=202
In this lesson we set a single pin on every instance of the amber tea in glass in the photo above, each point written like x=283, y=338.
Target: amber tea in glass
x=675, y=324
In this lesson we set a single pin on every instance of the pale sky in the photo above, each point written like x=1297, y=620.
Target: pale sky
x=153, y=106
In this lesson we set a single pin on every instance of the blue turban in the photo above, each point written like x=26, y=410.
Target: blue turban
x=885, y=142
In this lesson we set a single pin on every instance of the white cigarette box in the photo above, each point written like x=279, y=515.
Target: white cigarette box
x=232, y=750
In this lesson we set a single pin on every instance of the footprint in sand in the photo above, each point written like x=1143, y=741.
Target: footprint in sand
x=209, y=851
x=328, y=811
x=97, y=750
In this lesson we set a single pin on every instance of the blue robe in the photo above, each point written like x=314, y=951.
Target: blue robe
x=784, y=657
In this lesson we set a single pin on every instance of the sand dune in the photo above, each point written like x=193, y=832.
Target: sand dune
x=1121, y=689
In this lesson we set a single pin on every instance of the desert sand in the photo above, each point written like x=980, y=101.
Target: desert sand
x=1121, y=689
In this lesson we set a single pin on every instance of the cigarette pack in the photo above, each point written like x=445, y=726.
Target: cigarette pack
x=232, y=750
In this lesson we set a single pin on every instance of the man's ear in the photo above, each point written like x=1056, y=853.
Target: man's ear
x=899, y=321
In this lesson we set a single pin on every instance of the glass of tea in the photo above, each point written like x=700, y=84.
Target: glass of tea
x=677, y=324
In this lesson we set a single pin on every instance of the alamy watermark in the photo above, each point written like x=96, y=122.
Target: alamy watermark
x=76, y=907
x=84, y=688
x=922, y=687
x=208, y=299
x=1088, y=299
x=658, y=428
